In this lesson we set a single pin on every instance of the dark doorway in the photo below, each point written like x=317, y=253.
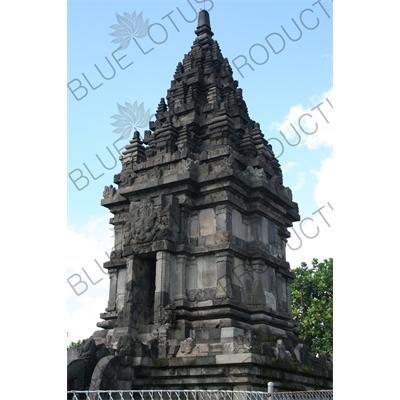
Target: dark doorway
x=149, y=272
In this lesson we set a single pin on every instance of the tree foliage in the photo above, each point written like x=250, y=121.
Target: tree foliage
x=312, y=304
x=77, y=345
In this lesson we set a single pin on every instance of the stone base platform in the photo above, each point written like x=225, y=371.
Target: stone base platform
x=245, y=371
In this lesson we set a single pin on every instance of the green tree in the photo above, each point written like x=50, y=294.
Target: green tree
x=77, y=344
x=312, y=304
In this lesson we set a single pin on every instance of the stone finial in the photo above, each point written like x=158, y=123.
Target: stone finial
x=162, y=107
x=109, y=191
x=179, y=68
x=203, y=25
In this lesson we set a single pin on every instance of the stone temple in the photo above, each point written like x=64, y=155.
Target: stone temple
x=199, y=283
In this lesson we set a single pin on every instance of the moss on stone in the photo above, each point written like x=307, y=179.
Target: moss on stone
x=161, y=362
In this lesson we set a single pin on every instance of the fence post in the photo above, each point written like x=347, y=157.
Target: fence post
x=271, y=390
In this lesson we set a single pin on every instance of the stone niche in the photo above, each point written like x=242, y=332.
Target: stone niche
x=199, y=283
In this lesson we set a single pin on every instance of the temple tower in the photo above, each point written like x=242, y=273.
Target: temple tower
x=199, y=283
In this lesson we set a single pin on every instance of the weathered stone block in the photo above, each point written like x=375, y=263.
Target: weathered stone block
x=207, y=222
x=124, y=374
x=244, y=358
x=227, y=348
x=216, y=348
x=205, y=303
x=227, y=334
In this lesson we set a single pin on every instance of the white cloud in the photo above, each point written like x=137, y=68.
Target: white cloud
x=89, y=242
x=314, y=233
x=323, y=191
x=96, y=227
x=299, y=121
x=305, y=247
x=288, y=166
x=87, y=282
x=81, y=323
x=312, y=237
x=301, y=180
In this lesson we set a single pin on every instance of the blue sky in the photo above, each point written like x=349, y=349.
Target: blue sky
x=288, y=79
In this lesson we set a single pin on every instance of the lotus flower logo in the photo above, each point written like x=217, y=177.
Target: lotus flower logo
x=132, y=116
x=130, y=26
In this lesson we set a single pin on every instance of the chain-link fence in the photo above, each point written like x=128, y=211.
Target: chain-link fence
x=167, y=395
x=198, y=395
x=308, y=395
